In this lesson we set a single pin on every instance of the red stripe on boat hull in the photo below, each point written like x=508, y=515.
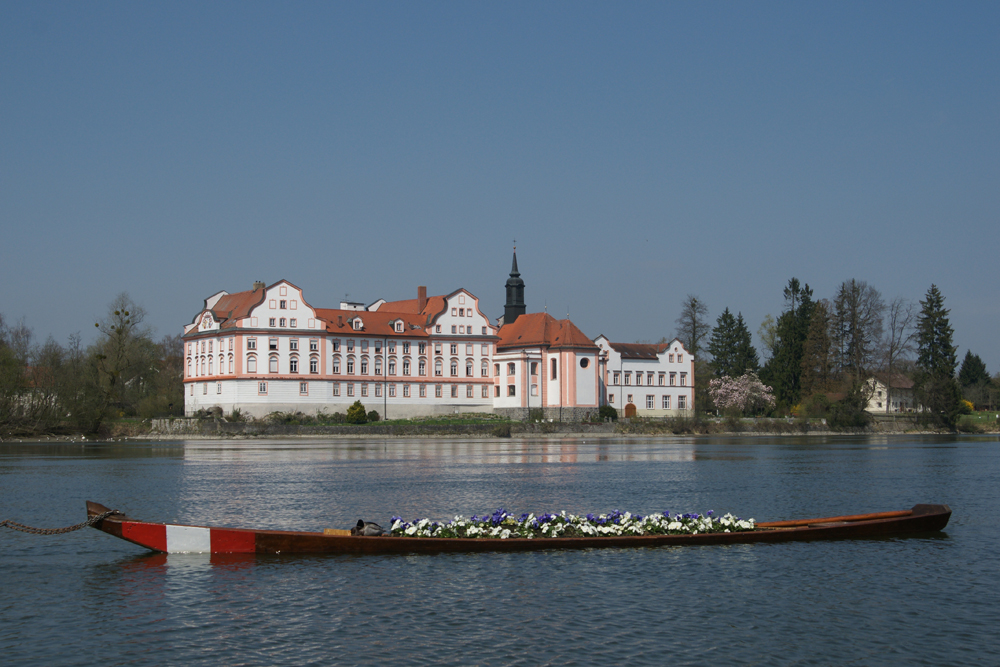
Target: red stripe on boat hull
x=227, y=541
x=150, y=535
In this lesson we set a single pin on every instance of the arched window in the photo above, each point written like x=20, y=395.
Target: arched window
x=392, y=365
x=485, y=370
x=273, y=364
x=251, y=364
x=222, y=364
x=293, y=365
x=314, y=364
x=422, y=367
x=230, y=364
x=203, y=365
x=364, y=365
x=468, y=367
x=406, y=366
x=378, y=365
x=437, y=367
x=350, y=365
x=211, y=365
x=553, y=369
x=336, y=364
x=189, y=366
x=454, y=367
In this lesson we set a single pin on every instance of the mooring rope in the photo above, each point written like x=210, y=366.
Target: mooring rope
x=13, y=525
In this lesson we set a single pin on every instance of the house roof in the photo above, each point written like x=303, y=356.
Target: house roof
x=638, y=350
x=542, y=330
x=232, y=307
x=378, y=323
x=894, y=380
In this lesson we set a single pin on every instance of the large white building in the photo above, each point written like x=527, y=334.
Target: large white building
x=646, y=380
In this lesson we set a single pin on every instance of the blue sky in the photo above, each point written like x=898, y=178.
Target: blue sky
x=637, y=152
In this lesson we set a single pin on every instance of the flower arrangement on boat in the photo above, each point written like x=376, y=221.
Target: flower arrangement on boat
x=503, y=525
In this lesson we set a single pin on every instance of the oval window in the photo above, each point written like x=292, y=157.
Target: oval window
x=584, y=362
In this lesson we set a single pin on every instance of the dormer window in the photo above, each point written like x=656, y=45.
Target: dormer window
x=399, y=326
x=358, y=324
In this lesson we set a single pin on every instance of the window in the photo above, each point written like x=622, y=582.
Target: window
x=673, y=379
x=272, y=343
x=554, y=367
x=468, y=348
x=189, y=368
x=437, y=391
x=230, y=344
x=350, y=389
x=211, y=365
x=666, y=402
x=293, y=365
x=336, y=345
x=484, y=331
x=261, y=387
x=406, y=391
x=423, y=391
x=350, y=346
x=630, y=398
x=336, y=365
x=313, y=345
x=293, y=344
x=670, y=358
x=680, y=358
x=358, y=324
x=392, y=391
x=271, y=322
x=454, y=348
x=684, y=379
x=210, y=346
x=350, y=366
x=534, y=390
x=454, y=312
x=496, y=390
x=378, y=391
x=511, y=368
x=282, y=304
x=454, y=391
x=364, y=346
x=437, y=348
x=251, y=343
x=251, y=364
x=454, y=367
x=496, y=370
x=230, y=364
x=406, y=348
x=378, y=347
x=336, y=389
x=283, y=322
x=511, y=390
x=364, y=365
x=534, y=368
x=421, y=348
x=406, y=366
x=486, y=391
x=454, y=329
x=399, y=327
x=218, y=387
x=484, y=370
x=461, y=312
x=611, y=398
x=682, y=402
x=313, y=365
x=663, y=379
x=273, y=365
x=584, y=362
x=649, y=379
x=364, y=389
x=638, y=378
x=303, y=388
x=392, y=367
x=422, y=367
x=293, y=323
x=616, y=378
x=392, y=347
x=378, y=365
x=437, y=328
x=628, y=377
x=437, y=367
x=485, y=350
x=650, y=404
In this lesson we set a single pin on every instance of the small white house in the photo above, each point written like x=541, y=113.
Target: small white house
x=891, y=394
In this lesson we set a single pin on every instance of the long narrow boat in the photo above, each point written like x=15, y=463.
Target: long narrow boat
x=171, y=538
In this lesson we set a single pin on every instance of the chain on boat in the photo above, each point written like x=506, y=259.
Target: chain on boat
x=13, y=525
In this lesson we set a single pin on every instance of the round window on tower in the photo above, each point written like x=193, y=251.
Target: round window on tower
x=584, y=362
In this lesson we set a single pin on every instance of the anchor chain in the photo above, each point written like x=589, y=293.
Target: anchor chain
x=13, y=525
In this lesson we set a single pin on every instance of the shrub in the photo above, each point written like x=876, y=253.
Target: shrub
x=536, y=415
x=607, y=412
x=337, y=418
x=236, y=416
x=356, y=414
x=373, y=416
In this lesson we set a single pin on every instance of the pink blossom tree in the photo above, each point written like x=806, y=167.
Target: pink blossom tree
x=743, y=395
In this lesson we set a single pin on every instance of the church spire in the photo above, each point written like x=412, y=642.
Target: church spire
x=515, y=294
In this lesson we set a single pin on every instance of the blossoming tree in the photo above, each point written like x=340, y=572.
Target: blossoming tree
x=744, y=395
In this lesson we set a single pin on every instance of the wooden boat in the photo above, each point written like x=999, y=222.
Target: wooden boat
x=170, y=538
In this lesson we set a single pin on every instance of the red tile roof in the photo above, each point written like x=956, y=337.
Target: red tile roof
x=542, y=330
x=375, y=323
x=230, y=308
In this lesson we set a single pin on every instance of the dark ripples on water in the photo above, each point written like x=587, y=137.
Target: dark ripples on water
x=87, y=599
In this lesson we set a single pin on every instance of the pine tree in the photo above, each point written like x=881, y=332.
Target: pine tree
x=936, y=386
x=973, y=371
x=746, y=359
x=722, y=344
x=784, y=370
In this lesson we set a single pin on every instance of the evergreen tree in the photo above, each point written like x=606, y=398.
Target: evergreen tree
x=784, y=370
x=973, y=371
x=746, y=359
x=935, y=383
x=817, y=353
x=722, y=344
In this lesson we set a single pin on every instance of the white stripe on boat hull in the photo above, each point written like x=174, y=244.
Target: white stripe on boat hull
x=188, y=539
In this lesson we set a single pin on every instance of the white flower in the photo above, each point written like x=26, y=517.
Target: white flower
x=411, y=530
x=674, y=525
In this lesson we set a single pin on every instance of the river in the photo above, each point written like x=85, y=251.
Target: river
x=85, y=598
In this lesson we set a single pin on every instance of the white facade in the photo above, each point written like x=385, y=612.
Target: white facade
x=652, y=380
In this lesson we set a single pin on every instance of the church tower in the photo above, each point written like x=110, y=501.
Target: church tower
x=515, y=294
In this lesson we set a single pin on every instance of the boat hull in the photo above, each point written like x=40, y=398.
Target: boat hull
x=172, y=538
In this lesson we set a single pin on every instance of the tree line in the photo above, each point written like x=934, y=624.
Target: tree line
x=821, y=355
x=46, y=387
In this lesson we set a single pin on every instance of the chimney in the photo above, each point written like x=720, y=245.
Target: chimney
x=258, y=285
x=340, y=320
x=421, y=298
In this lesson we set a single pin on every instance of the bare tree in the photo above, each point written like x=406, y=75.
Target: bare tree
x=857, y=315
x=691, y=324
x=768, y=334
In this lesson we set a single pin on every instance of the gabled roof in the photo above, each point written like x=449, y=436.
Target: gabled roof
x=542, y=330
x=894, y=380
x=641, y=350
x=378, y=323
x=232, y=307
